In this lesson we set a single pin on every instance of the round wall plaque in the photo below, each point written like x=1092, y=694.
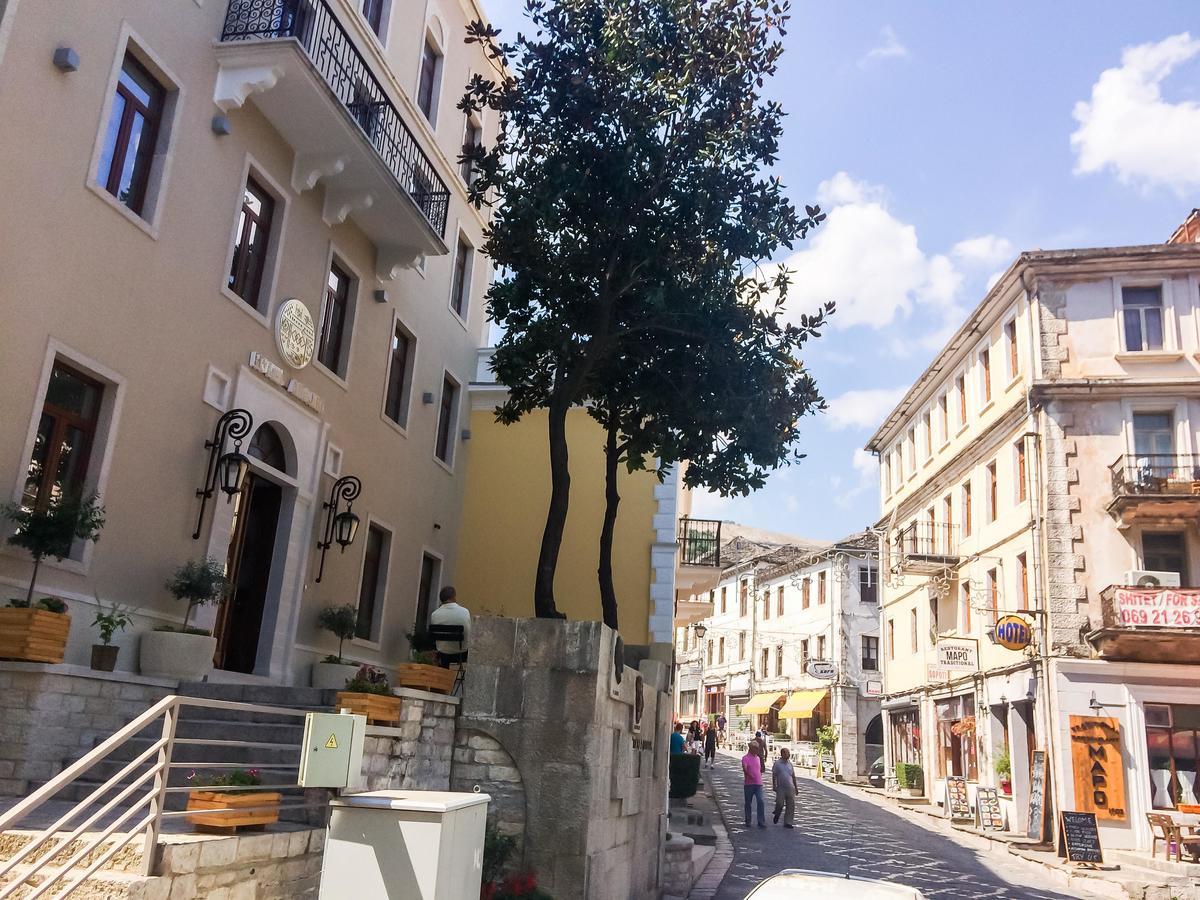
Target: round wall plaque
x=295, y=334
x=1013, y=632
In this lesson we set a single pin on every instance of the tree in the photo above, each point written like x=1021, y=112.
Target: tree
x=341, y=622
x=53, y=530
x=199, y=582
x=628, y=179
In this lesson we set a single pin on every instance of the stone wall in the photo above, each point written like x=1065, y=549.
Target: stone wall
x=589, y=752
x=416, y=755
x=480, y=761
x=677, y=865
x=270, y=866
x=52, y=715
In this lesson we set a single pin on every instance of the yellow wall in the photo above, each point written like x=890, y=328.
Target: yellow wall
x=507, y=493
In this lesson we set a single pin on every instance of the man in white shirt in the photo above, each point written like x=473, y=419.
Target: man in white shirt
x=450, y=613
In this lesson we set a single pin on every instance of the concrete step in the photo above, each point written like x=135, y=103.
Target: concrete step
x=264, y=695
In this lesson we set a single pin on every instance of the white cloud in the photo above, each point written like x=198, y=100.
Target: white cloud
x=865, y=463
x=1128, y=126
x=986, y=251
x=862, y=408
x=888, y=48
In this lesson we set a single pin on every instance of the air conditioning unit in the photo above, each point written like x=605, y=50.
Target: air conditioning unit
x=1140, y=578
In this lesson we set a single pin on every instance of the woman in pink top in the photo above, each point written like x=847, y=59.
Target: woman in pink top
x=753, y=787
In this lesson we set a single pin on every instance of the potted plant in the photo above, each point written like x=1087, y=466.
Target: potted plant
x=827, y=738
x=104, y=654
x=37, y=632
x=243, y=808
x=333, y=672
x=910, y=779
x=424, y=673
x=369, y=694
x=185, y=652
x=1004, y=772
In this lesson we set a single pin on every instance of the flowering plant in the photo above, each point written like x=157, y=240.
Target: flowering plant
x=963, y=726
x=518, y=885
x=232, y=778
x=369, y=680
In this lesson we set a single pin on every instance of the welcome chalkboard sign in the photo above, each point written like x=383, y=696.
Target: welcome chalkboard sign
x=987, y=808
x=1037, y=797
x=1079, y=838
x=958, y=806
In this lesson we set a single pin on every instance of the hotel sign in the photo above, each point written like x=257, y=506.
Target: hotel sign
x=1096, y=765
x=268, y=369
x=1157, y=608
x=1013, y=632
x=295, y=334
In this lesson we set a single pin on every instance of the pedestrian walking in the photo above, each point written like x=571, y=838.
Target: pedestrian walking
x=753, y=786
x=783, y=780
x=710, y=746
x=677, y=740
x=721, y=728
x=761, y=739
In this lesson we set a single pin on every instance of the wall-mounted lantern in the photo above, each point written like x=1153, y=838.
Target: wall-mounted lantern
x=700, y=629
x=341, y=525
x=226, y=471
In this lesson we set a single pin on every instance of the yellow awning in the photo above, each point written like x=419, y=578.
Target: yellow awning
x=802, y=703
x=760, y=703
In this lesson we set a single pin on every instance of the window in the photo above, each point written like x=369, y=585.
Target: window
x=804, y=653
x=250, y=244
x=960, y=389
x=911, y=468
x=1165, y=552
x=710, y=653
x=966, y=607
x=764, y=662
x=898, y=464
x=868, y=583
x=373, y=12
x=1022, y=581
x=870, y=653
x=63, y=444
x=1019, y=469
x=741, y=645
x=956, y=741
x=460, y=288
x=431, y=568
x=743, y=594
x=399, y=380
x=805, y=592
x=427, y=87
x=471, y=136
x=374, y=578
x=1154, y=435
x=820, y=588
x=334, y=319
x=724, y=605
x=993, y=594
x=885, y=473
x=766, y=604
x=1010, y=340
x=779, y=601
x=444, y=447
x=943, y=420
x=948, y=518
x=913, y=635
x=821, y=647
x=985, y=375
x=131, y=135
x=966, y=508
x=992, y=492
x=927, y=437
x=779, y=661
x=1173, y=751
x=891, y=638
x=1142, y=316
x=720, y=650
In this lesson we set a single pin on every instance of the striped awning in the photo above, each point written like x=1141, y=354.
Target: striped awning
x=760, y=703
x=802, y=703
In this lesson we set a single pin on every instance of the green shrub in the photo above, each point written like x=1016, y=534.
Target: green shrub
x=909, y=775
x=197, y=581
x=684, y=771
x=341, y=622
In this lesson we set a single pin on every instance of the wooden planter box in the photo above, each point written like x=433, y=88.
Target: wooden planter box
x=230, y=821
x=424, y=677
x=33, y=635
x=380, y=709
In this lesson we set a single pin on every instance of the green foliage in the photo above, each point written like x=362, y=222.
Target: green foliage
x=369, y=680
x=827, y=738
x=684, y=772
x=49, y=604
x=342, y=622
x=1003, y=764
x=54, y=530
x=498, y=847
x=184, y=629
x=198, y=581
x=116, y=618
x=424, y=657
x=910, y=775
x=232, y=778
x=634, y=207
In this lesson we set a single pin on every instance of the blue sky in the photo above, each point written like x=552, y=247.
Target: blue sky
x=944, y=138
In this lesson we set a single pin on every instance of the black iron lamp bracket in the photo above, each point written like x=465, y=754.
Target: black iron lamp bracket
x=340, y=525
x=235, y=424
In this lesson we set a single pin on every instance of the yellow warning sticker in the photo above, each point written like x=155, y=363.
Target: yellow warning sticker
x=331, y=744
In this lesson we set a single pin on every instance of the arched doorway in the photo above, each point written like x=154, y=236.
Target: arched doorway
x=251, y=553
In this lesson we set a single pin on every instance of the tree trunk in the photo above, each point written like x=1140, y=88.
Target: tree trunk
x=556, y=515
x=37, y=562
x=612, y=499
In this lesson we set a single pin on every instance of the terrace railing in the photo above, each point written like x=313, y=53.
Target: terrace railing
x=700, y=542
x=1156, y=473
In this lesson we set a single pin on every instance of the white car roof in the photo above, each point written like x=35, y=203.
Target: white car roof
x=792, y=884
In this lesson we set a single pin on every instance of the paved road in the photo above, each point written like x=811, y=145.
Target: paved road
x=834, y=831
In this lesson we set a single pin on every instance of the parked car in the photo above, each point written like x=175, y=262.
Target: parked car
x=875, y=775
x=793, y=884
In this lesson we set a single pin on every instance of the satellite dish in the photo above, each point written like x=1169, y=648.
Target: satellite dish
x=1148, y=581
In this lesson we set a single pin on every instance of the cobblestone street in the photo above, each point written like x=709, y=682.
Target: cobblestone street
x=835, y=832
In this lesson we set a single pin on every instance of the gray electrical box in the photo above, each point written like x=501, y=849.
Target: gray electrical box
x=332, y=750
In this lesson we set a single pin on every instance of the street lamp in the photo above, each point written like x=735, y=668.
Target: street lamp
x=224, y=470
x=340, y=526
x=700, y=628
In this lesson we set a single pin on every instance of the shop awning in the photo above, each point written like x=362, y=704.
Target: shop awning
x=802, y=703
x=760, y=703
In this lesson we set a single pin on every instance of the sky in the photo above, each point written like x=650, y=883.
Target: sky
x=943, y=138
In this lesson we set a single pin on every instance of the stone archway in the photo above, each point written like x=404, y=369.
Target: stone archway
x=481, y=760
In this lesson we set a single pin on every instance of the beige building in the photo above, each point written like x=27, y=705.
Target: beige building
x=1038, y=467
x=236, y=205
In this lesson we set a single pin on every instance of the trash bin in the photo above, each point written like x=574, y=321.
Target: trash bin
x=404, y=845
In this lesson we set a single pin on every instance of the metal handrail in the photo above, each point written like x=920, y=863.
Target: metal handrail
x=699, y=542
x=1155, y=473
x=346, y=73
x=93, y=808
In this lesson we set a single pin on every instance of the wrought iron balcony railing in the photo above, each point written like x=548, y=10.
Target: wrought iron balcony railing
x=333, y=54
x=1156, y=473
x=700, y=542
x=927, y=540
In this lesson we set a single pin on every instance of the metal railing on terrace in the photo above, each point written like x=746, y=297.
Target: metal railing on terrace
x=1156, y=473
x=924, y=539
x=333, y=54
x=700, y=542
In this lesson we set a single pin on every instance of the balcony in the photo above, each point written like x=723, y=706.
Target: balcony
x=925, y=548
x=297, y=63
x=1148, y=624
x=697, y=569
x=1158, y=486
x=700, y=542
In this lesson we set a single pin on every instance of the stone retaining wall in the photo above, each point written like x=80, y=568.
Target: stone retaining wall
x=269, y=866
x=480, y=761
x=677, y=865
x=417, y=754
